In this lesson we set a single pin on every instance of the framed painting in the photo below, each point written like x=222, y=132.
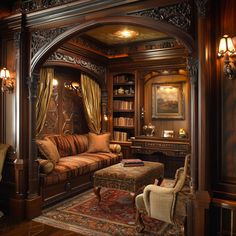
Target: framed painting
x=167, y=101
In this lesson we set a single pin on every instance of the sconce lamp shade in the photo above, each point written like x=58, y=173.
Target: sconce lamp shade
x=4, y=74
x=227, y=49
x=226, y=46
x=8, y=83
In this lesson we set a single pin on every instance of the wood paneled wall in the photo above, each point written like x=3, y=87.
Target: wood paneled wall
x=224, y=178
x=167, y=124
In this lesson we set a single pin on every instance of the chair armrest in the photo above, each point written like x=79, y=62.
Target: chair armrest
x=115, y=148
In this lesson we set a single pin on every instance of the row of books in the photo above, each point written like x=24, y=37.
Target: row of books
x=120, y=136
x=132, y=162
x=123, y=105
x=123, y=121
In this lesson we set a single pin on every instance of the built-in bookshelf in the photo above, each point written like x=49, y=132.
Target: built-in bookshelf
x=123, y=106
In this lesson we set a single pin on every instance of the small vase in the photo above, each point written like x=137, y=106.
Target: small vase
x=149, y=129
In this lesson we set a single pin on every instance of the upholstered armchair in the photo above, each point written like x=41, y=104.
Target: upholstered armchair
x=166, y=204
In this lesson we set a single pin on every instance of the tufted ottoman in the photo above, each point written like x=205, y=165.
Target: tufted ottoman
x=132, y=179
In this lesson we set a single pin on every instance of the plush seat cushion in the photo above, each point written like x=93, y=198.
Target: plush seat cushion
x=72, y=166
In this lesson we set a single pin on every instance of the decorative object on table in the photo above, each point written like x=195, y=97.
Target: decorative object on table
x=121, y=90
x=149, y=129
x=168, y=133
x=182, y=133
x=132, y=162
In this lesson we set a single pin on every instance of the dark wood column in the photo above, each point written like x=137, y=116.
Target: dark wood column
x=33, y=201
x=201, y=195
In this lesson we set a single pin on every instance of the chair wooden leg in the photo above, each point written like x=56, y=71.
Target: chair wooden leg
x=97, y=190
x=139, y=222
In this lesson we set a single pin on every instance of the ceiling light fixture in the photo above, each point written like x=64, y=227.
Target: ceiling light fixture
x=126, y=34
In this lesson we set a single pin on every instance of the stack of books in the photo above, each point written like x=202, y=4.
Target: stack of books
x=132, y=162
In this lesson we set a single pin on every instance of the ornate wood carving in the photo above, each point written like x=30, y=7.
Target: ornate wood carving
x=83, y=62
x=52, y=119
x=171, y=148
x=32, y=165
x=178, y=14
x=192, y=67
x=41, y=37
x=137, y=47
x=33, y=5
x=201, y=6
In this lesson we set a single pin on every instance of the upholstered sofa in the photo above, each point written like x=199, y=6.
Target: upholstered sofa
x=67, y=163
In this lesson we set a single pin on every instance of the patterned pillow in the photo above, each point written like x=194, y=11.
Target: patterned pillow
x=48, y=149
x=98, y=142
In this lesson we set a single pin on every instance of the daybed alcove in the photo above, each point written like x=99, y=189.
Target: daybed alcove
x=68, y=154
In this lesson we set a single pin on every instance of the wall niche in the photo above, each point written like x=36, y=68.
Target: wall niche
x=155, y=100
x=66, y=112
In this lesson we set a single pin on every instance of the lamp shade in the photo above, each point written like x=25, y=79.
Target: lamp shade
x=226, y=45
x=4, y=74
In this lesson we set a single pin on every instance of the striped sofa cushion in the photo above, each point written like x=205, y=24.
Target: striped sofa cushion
x=72, y=166
x=70, y=145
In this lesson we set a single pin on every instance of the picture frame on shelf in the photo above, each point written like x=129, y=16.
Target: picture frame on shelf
x=167, y=101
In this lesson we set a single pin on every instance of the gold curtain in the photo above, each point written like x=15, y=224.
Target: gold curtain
x=92, y=103
x=43, y=98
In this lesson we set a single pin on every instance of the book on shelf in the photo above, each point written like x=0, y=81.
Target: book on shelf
x=132, y=162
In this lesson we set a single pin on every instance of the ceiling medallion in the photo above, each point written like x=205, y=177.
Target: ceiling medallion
x=126, y=34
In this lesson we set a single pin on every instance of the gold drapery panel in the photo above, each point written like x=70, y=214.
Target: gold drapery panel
x=43, y=99
x=92, y=103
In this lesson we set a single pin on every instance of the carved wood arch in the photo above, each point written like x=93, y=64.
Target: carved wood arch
x=41, y=56
x=96, y=77
x=164, y=27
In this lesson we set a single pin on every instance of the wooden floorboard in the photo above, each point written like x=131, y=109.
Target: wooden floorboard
x=8, y=227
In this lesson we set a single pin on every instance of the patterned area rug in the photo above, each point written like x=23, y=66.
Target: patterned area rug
x=114, y=215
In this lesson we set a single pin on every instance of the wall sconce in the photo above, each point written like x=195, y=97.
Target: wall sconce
x=73, y=86
x=8, y=83
x=227, y=50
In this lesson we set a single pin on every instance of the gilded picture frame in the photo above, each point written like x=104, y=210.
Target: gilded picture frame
x=167, y=101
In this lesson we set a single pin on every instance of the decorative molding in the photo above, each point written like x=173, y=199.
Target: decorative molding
x=136, y=47
x=201, y=7
x=179, y=14
x=36, y=5
x=192, y=68
x=58, y=56
x=32, y=83
x=41, y=37
x=17, y=37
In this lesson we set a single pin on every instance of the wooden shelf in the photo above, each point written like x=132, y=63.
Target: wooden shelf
x=119, y=111
x=123, y=127
x=125, y=84
x=124, y=96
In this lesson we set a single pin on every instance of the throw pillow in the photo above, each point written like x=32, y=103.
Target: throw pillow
x=48, y=149
x=45, y=166
x=98, y=142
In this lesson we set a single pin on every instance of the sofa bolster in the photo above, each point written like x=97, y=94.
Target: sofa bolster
x=115, y=148
x=45, y=166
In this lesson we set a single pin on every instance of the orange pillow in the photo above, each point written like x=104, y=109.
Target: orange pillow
x=98, y=142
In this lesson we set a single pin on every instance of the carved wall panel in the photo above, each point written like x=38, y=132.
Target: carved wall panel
x=66, y=113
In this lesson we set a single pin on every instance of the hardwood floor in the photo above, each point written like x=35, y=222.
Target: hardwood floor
x=30, y=228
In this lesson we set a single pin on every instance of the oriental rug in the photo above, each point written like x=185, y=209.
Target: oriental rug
x=114, y=215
